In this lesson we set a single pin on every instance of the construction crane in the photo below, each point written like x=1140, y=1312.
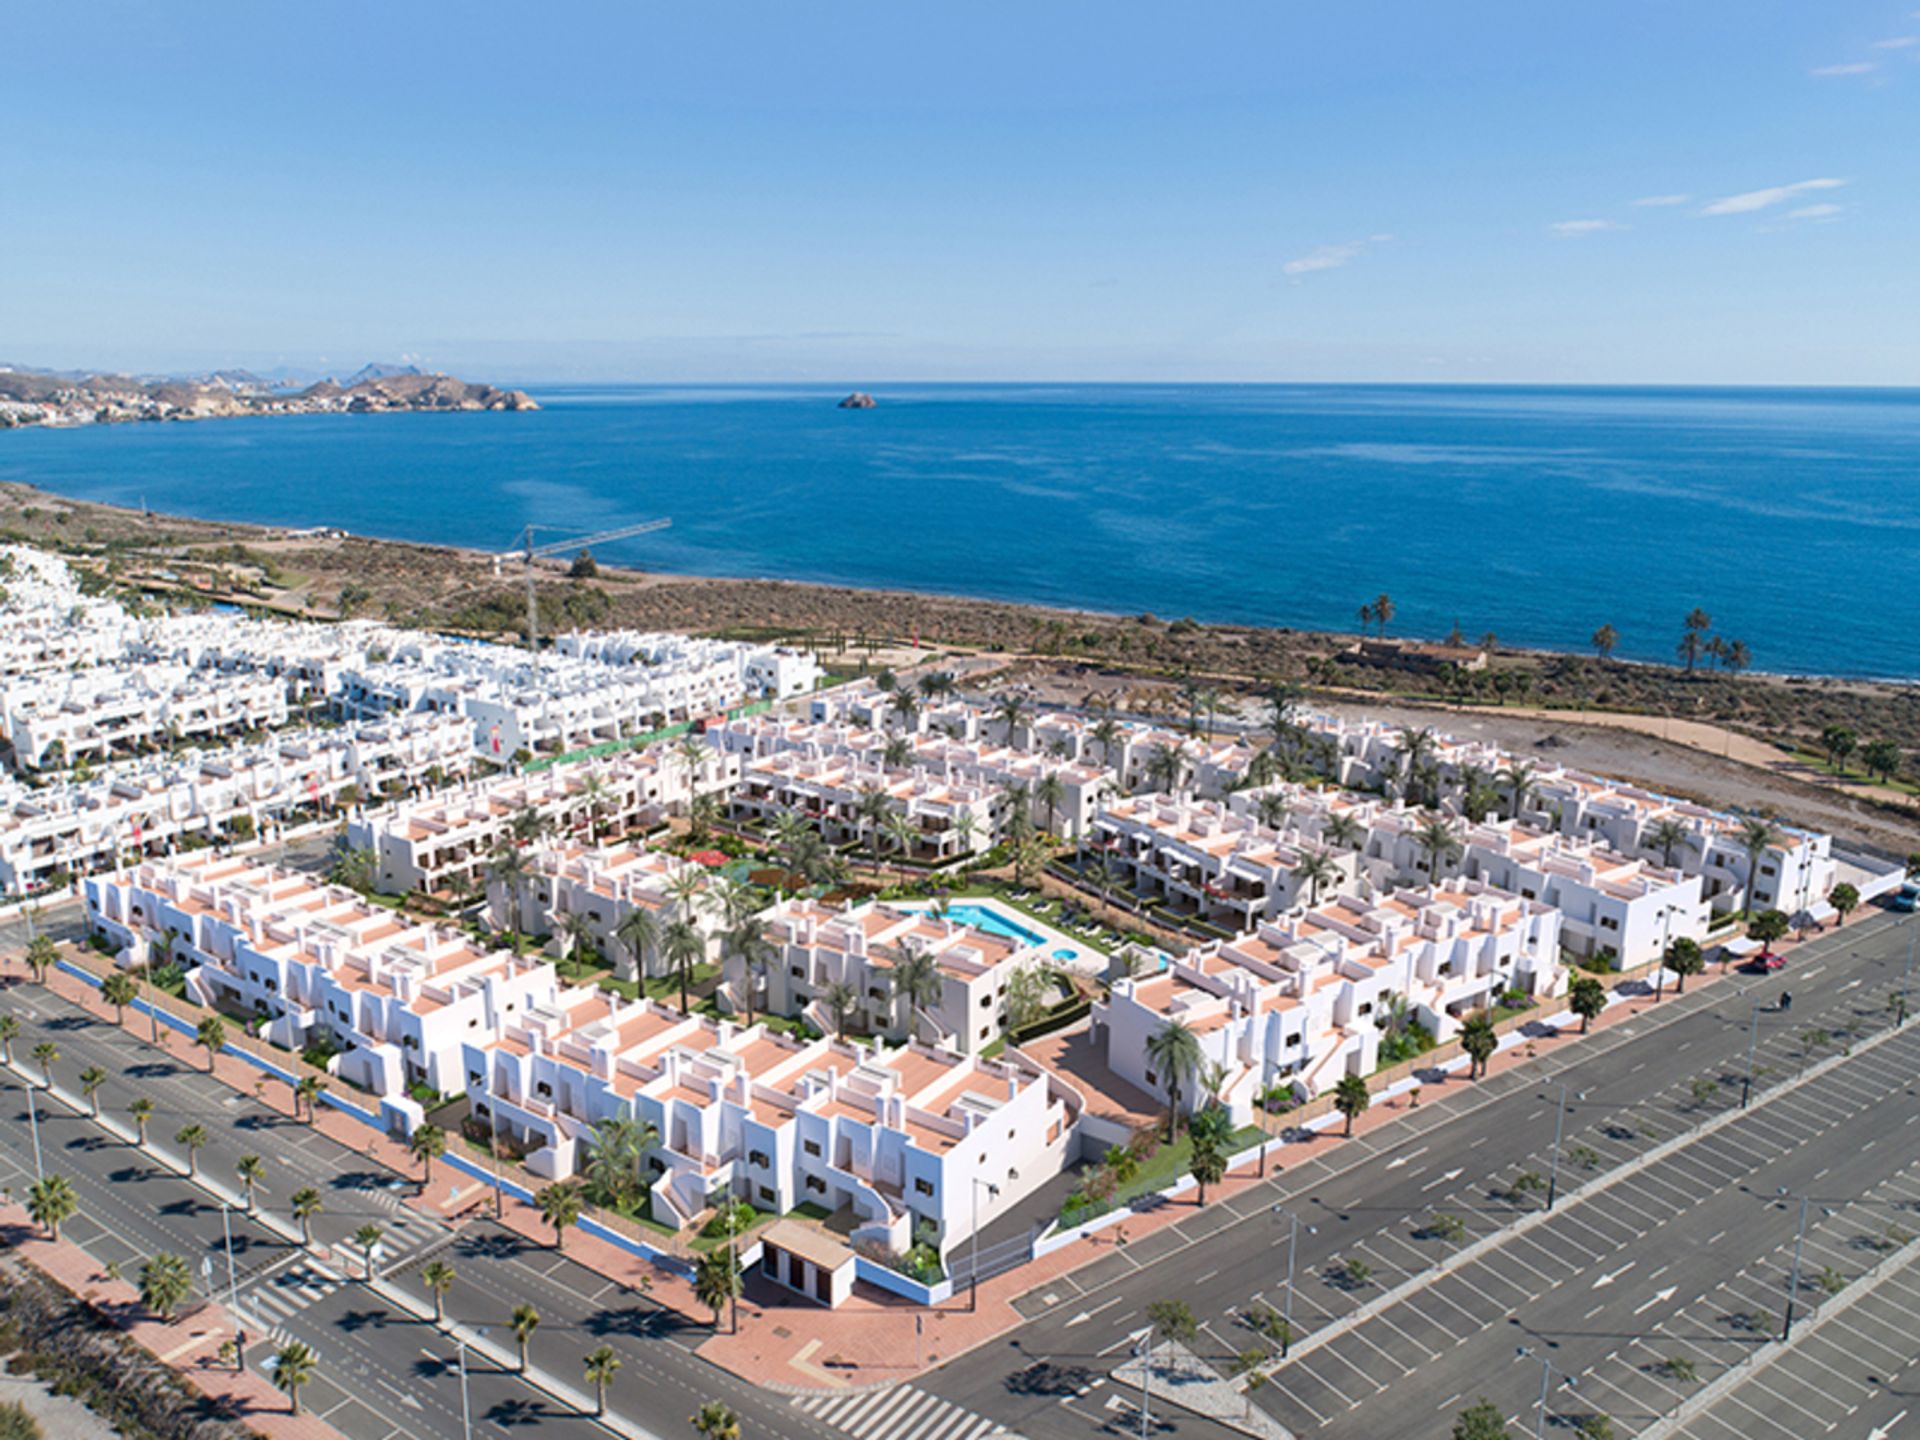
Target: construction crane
x=530, y=552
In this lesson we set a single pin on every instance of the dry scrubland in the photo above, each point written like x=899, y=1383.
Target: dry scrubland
x=1138, y=661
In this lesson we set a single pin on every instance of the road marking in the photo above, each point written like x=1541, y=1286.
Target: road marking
x=1399, y=1160
x=1658, y=1297
x=1882, y=1432
x=1441, y=1180
x=1086, y=1315
x=1613, y=1275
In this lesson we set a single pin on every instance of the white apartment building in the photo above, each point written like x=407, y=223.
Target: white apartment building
x=116, y=710
x=1208, y=860
x=1302, y=1000
x=771, y=672
x=897, y=1137
x=402, y=998
x=947, y=820
x=819, y=946
x=433, y=844
x=603, y=884
x=150, y=807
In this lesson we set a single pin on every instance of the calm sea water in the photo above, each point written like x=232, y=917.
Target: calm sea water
x=1793, y=517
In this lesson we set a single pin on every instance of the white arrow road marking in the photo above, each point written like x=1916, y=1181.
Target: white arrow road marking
x=1658, y=1297
x=1399, y=1160
x=1613, y=1275
x=1887, y=1429
x=1441, y=1180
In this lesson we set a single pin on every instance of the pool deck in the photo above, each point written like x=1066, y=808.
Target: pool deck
x=1085, y=959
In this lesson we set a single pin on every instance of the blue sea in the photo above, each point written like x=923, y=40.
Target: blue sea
x=1792, y=517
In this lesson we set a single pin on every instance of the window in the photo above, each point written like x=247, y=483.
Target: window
x=543, y=1089
x=1366, y=1008
x=797, y=971
x=1294, y=1039
x=985, y=1001
x=757, y=1158
x=1150, y=1078
x=767, y=1195
x=473, y=1077
x=812, y=1147
x=816, y=1184
x=922, y=1187
x=1607, y=922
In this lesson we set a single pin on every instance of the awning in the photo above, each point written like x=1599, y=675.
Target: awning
x=1820, y=912
x=1744, y=946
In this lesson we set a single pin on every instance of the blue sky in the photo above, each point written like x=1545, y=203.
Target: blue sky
x=1424, y=191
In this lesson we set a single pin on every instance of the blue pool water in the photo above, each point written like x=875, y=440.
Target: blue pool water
x=964, y=913
x=1791, y=516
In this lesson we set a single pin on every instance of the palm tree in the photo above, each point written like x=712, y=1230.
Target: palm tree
x=1756, y=835
x=1684, y=957
x=897, y=753
x=901, y=835
x=9, y=1032
x=1207, y=1165
x=1586, y=997
x=602, y=1366
x=637, y=933
x=252, y=1170
x=91, y=1079
x=581, y=941
x=560, y=1206
x=119, y=990
x=1383, y=611
x=870, y=809
x=293, y=1367
x=1343, y=829
x=685, y=947
x=165, y=1283
x=1010, y=710
x=427, y=1144
x=620, y=1144
x=1518, y=777
x=1175, y=1053
x=1693, y=639
x=1052, y=793
x=211, y=1035
x=44, y=1054
x=367, y=1237
x=438, y=1276
x=195, y=1138
x=52, y=1202
x=1166, y=768
x=1664, y=836
x=1317, y=869
x=523, y=1322
x=593, y=790
x=716, y=1281
x=42, y=956
x=306, y=1204
x=1604, y=641
x=310, y=1089
x=507, y=868
x=917, y=981
x=841, y=998
x=1436, y=837
x=141, y=1110
x=715, y=1422
x=1106, y=731
x=1478, y=1040
x=748, y=940
x=1415, y=748
x=1351, y=1098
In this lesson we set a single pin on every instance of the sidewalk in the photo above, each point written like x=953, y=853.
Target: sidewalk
x=189, y=1345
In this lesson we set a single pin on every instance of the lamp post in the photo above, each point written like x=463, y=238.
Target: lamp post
x=233, y=1288
x=466, y=1410
x=1293, y=1243
x=1660, y=963
x=1559, y=1130
x=1753, y=1039
x=973, y=1270
x=1793, y=1277
x=33, y=1121
x=1527, y=1352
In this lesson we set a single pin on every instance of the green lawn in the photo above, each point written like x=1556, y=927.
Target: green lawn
x=1168, y=1164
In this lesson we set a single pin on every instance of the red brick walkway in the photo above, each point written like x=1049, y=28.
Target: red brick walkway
x=189, y=1344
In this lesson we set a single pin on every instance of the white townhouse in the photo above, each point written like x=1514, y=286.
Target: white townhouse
x=118, y=709
x=1303, y=1000
x=602, y=885
x=48, y=623
x=910, y=1142
x=946, y=820
x=1206, y=859
x=309, y=960
x=818, y=946
x=149, y=807
x=444, y=841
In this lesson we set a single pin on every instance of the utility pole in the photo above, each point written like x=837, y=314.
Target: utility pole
x=1753, y=1039
x=1293, y=1242
x=1559, y=1129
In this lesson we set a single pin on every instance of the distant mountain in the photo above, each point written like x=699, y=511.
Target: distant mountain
x=45, y=397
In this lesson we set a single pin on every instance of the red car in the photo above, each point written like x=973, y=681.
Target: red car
x=1765, y=964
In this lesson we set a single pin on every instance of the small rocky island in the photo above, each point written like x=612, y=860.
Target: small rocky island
x=50, y=398
x=859, y=400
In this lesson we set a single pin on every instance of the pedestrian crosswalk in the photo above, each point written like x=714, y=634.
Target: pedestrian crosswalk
x=900, y=1412
x=273, y=1301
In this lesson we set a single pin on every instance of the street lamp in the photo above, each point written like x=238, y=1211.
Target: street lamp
x=1143, y=1348
x=1753, y=1039
x=1660, y=963
x=1559, y=1129
x=973, y=1270
x=1293, y=1242
x=233, y=1289
x=1527, y=1352
x=33, y=1120
x=1793, y=1278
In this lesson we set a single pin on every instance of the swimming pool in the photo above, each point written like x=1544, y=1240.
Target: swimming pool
x=965, y=913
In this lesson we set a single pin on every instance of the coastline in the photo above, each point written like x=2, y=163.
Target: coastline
x=1138, y=661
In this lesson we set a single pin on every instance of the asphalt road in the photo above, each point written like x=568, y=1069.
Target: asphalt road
x=1629, y=1087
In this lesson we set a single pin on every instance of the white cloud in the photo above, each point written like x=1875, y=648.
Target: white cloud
x=1855, y=67
x=1752, y=200
x=1897, y=42
x=1815, y=212
x=1567, y=229
x=1331, y=257
x=1663, y=199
